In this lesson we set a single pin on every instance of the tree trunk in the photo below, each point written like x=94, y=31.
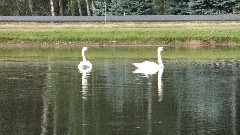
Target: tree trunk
x=79, y=8
x=52, y=7
x=61, y=8
x=88, y=8
x=30, y=4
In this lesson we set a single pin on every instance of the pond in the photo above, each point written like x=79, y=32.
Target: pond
x=45, y=96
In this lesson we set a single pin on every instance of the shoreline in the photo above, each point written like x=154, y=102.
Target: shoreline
x=196, y=40
x=173, y=44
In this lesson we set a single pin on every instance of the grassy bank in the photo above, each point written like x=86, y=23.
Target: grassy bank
x=181, y=34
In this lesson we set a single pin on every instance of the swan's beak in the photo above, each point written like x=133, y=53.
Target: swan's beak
x=84, y=48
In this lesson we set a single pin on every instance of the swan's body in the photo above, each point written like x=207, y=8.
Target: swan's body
x=84, y=65
x=148, y=67
x=145, y=69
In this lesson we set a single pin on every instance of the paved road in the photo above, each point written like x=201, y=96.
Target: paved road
x=129, y=18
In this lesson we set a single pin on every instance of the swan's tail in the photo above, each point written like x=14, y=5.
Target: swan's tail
x=145, y=64
x=138, y=65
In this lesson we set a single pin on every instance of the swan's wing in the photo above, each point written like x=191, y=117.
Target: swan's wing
x=147, y=65
x=138, y=65
x=150, y=64
x=88, y=63
x=85, y=63
x=85, y=66
x=142, y=65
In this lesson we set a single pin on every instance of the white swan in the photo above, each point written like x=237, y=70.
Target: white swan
x=84, y=66
x=148, y=67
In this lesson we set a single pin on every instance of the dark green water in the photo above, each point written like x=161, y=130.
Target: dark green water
x=52, y=97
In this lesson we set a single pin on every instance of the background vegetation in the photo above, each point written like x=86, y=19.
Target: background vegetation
x=117, y=7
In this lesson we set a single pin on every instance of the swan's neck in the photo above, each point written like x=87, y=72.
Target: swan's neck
x=160, y=59
x=83, y=56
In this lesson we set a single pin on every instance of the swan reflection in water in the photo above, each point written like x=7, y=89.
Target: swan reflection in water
x=85, y=75
x=160, y=90
x=84, y=84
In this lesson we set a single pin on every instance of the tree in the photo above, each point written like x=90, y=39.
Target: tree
x=199, y=7
x=161, y=6
x=177, y=7
x=236, y=9
x=30, y=3
x=52, y=8
x=61, y=12
x=99, y=8
x=120, y=7
x=15, y=8
x=131, y=7
x=24, y=7
x=88, y=8
x=142, y=7
x=41, y=7
x=4, y=8
x=72, y=7
x=79, y=7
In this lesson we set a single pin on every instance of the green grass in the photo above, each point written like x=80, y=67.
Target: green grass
x=122, y=32
x=122, y=35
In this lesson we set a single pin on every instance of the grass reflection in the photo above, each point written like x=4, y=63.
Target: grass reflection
x=124, y=52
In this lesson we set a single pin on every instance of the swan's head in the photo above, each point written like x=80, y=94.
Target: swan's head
x=160, y=49
x=84, y=48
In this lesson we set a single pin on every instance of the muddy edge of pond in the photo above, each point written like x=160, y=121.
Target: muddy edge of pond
x=174, y=44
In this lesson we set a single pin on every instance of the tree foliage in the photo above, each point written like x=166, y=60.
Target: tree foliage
x=177, y=7
x=99, y=8
x=125, y=7
x=201, y=7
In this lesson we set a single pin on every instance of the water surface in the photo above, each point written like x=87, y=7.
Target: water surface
x=52, y=97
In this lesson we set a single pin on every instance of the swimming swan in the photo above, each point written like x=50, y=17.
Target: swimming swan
x=84, y=65
x=148, y=67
